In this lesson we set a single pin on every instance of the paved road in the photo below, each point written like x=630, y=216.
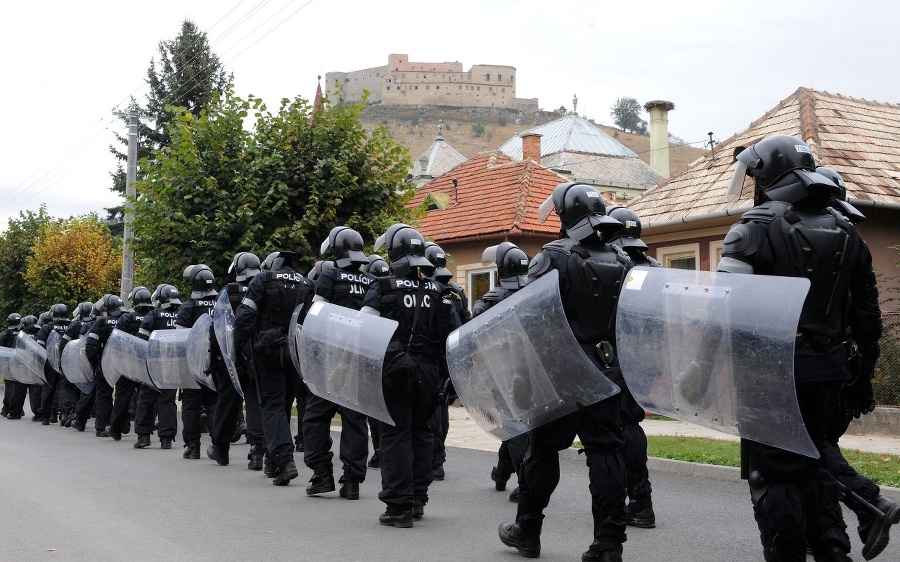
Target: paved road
x=72, y=496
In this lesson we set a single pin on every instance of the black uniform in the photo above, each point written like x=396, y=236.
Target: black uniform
x=196, y=401
x=93, y=349
x=130, y=323
x=794, y=495
x=48, y=391
x=154, y=402
x=84, y=401
x=263, y=320
x=14, y=391
x=590, y=276
x=347, y=288
x=229, y=401
x=413, y=381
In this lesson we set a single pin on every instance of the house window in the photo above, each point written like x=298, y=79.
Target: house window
x=685, y=256
x=417, y=87
x=499, y=78
x=715, y=254
x=479, y=282
x=487, y=77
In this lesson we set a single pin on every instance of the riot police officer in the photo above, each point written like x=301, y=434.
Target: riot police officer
x=512, y=269
x=49, y=406
x=639, y=510
x=71, y=395
x=112, y=309
x=194, y=401
x=130, y=323
x=591, y=271
x=375, y=267
x=245, y=266
x=153, y=402
x=790, y=232
x=344, y=285
x=12, y=388
x=440, y=421
x=28, y=325
x=263, y=319
x=411, y=376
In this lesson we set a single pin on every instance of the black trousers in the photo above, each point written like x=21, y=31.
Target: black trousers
x=302, y=397
x=800, y=499
x=152, y=403
x=103, y=402
x=511, y=455
x=17, y=397
x=407, y=448
x=354, y=449
x=634, y=451
x=193, y=402
x=48, y=392
x=277, y=385
x=598, y=428
x=228, y=408
x=34, y=397
x=67, y=396
x=440, y=425
x=8, y=391
x=125, y=389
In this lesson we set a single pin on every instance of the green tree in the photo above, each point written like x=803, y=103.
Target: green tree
x=187, y=76
x=16, y=244
x=626, y=114
x=73, y=260
x=220, y=188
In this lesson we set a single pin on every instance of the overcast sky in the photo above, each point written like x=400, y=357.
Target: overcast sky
x=65, y=66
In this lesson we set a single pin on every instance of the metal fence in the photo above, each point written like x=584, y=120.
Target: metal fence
x=887, y=371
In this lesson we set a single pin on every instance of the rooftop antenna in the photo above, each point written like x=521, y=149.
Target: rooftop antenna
x=575, y=104
x=711, y=144
x=440, y=137
x=456, y=191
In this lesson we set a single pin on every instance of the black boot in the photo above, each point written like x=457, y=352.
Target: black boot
x=239, y=431
x=640, y=514
x=285, y=472
x=499, y=479
x=875, y=532
x=116, y=435
x=217, y=454
x=349, y=489
x=594, y=555
x=526, y=540
x=255, y=456
x=143, y=442
x=192, y=450
x=322, y=481
x=397, y=516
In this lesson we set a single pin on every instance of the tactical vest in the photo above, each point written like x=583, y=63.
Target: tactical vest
x=590, y=281
x=349, y=287
x=399, y=297
x=814, y=245
x=284, y=290
x=130, y=322
x=193, y=309
x=163, y=319
x=236, y=294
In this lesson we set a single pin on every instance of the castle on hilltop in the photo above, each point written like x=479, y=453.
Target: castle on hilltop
x=402, y=82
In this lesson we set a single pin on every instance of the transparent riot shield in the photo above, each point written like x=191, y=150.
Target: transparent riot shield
x=76, y=367
x=341, y=355
x=223, y=325
x=167, y=361
x=293, y=338
x=519, y=366
x=716, y=350
x=31, y=357
x=199, y=358
x=126, y=355
x=54, y=344
x=7, y=360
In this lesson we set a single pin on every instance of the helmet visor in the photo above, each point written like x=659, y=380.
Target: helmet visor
x=736, y=187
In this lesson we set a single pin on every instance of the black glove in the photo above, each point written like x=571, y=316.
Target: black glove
x=859, y=398
x=449, y=392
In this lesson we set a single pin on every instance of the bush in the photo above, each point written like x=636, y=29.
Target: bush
x=478, y=128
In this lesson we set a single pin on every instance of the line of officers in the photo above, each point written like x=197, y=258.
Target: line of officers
x=596, y=249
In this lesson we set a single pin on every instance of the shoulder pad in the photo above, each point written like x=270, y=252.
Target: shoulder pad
x=740, y=240
x=767, y=212
x=539, y=264
x=496, y=294
x=563, y=245
x=653, y=262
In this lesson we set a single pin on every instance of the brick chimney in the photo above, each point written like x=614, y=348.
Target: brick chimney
x=659, y=135
x=531, y=147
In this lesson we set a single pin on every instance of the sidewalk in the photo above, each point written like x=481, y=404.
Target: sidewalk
x=466, y=433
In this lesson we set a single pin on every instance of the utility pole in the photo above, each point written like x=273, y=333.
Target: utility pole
x=130, y=193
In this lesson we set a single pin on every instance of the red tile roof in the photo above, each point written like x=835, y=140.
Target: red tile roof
x=496, y=195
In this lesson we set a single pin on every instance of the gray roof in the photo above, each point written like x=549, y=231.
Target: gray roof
x=437, y=160
x=601, y=170
x=571, y=133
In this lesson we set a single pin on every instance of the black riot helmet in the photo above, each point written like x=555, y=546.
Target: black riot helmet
x=29, y=324
x=581, y=210
x=13, y=320
x=200, y=278
x=112, y=304
x=512, y=264
x=318, y=268
x=44, y=318
x=836, y=179
x=839, y=201
x=244, y=266
x=782, y=168
x=60, y=313
x=165, y=297
x=141, y=298
x=438, y=259
x=406, y=250
x=376, y=266
x=630, y=235
x=278, y=260
x=346, y=246
x=84, y=310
